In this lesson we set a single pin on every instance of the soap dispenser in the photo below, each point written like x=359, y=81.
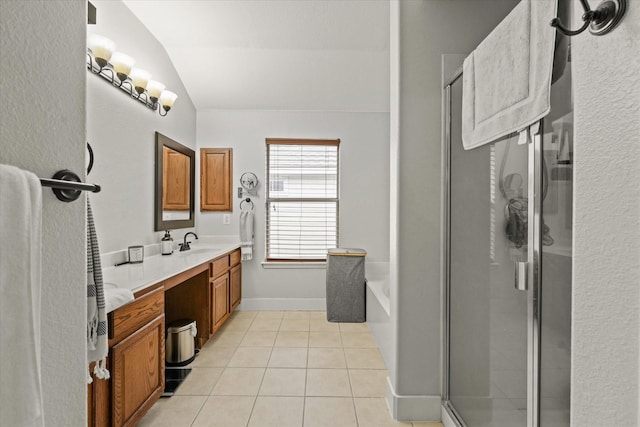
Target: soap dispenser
x=167, y=243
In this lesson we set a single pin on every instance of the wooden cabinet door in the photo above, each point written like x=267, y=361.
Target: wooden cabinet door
x=235, y=277
x=98, y=395
x=176, y=178
x=216, y=174
x=220, y=301
x=137, y=373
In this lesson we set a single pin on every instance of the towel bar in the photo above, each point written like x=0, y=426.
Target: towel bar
x=66, y=185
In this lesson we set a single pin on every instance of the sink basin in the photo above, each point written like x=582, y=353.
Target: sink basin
x=196, y=251
x=109, y=285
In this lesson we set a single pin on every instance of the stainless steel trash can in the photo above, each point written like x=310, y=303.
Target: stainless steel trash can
x=346, y=284
x=180, y=342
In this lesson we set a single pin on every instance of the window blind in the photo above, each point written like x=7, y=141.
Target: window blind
x=302, y=199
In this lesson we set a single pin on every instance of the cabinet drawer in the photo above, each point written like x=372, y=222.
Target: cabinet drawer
x=129, y=318
x=235, y=257
x=220, y=266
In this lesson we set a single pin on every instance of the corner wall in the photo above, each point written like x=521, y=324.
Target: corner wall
x=42, y=116
x=364, y=193
x=121, y=132
x=427, y=30
x=606, y=262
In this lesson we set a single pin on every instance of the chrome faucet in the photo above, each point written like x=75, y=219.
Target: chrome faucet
x=185, y=245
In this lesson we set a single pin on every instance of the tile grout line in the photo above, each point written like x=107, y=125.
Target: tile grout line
x=353, y=398
x=306, y=373
x=255, y=398
x=193, y=421
x=214, y=386
x=353, y=402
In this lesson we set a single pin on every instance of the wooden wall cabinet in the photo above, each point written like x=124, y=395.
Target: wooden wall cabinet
x=216, y=175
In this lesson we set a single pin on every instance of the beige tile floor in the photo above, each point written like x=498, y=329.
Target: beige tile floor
x=281, y=369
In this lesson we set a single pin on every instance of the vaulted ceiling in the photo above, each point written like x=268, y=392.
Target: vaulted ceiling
x=316, y=55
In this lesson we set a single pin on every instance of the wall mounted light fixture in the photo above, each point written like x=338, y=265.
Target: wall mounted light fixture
x=117, y=68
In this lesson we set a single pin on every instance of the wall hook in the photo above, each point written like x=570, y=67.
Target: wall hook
x=606, y=16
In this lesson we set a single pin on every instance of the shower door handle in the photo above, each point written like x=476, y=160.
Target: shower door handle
x=521, y=276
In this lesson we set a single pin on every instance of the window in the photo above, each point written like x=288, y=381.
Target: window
x=302, y=199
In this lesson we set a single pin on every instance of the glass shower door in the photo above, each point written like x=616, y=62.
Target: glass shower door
x=508, y=252
x=556, y=252
x=488, y=316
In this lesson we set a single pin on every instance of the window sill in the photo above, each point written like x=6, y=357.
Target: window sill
x=294, y=265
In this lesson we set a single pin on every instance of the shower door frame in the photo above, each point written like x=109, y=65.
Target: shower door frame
x=534, y=272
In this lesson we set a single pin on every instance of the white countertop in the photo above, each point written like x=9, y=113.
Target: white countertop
x=156, y=268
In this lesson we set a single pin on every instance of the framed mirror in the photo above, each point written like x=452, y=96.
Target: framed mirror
x=175, y=184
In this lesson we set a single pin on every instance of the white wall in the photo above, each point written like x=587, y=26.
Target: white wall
x=427, y=30
x=364, y=192
x=606, y=265
x=121, y=132
x=42, y=117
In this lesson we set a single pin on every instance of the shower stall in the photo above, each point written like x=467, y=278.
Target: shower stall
x=507, y=272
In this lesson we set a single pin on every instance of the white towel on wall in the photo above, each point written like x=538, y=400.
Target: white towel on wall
x=507, y=78
x=20, y=290
x=246, y=234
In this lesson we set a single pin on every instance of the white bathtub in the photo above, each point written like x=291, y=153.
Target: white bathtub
x=378, y=307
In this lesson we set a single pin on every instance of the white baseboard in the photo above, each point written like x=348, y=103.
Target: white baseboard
x=285, y=304
x=413, y=408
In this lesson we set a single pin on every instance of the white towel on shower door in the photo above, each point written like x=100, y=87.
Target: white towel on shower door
x=507, y=78
x=20, y=290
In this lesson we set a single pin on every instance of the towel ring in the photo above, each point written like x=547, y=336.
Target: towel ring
x=247, y=200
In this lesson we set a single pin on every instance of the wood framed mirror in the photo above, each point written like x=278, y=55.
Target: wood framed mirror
x=175, y=185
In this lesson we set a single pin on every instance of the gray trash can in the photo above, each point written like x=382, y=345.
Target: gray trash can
x=180, y=342
x=346, y=285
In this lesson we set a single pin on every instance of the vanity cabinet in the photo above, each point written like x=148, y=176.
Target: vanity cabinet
x=225, y=287
x=207, y=292
x=216, y=174
x=235, y=285
x=138, y=373
x=135, y=362
x=220, y=292
x=137, y=357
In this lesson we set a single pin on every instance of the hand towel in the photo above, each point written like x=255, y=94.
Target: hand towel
x=507, y=78
x=97, y=340
x=246, y=234
x=116, y=297
x=20, y=290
